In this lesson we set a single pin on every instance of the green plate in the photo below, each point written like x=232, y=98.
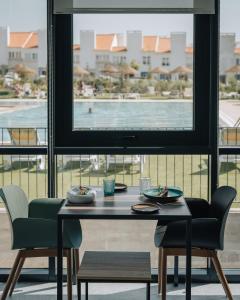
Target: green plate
x=173, y=194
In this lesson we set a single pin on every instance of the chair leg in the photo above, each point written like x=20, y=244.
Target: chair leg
x=11, y=276
x=76, y=254
x=159, y=270
x=69, y=274
x=17, y=274
x=221, y=275
x=164, y=274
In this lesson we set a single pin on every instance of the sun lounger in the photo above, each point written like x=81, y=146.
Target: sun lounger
x=65, y=160
x=24, y=137
x=125, y=160
x=229, y=136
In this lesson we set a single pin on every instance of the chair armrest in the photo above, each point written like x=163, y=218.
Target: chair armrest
x=199, y=208
x=34, y=233
x=45, y=208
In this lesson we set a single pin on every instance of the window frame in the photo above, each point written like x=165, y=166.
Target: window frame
x=99, y=141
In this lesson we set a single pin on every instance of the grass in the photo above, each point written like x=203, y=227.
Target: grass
x=189, y=172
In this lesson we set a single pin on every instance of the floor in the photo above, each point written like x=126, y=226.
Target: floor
x=47, y=291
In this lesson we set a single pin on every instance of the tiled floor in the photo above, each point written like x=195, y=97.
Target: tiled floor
x=47, y=291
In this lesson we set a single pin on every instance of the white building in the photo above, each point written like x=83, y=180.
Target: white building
x=94, y=51
x=28, y=48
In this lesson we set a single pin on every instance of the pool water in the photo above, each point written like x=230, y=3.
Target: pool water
x=107, y=115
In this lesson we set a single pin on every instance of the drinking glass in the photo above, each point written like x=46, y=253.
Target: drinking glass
x=108, y=187
x=144, y=184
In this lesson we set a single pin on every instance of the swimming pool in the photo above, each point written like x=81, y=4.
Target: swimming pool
x=108, y=114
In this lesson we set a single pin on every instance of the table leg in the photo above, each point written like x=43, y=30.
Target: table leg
x=79, y=290
x=176, y=267
x=188, y=258
x=59, y=259
x=148, y=291
x=86, y=292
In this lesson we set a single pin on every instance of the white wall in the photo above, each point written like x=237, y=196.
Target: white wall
x=87, y=44
x=227, y=46
x=178, y=48
x=42, y=49
x=134, y=46
x=4, y=41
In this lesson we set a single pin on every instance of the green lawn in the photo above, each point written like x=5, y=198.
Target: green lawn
x=189, y=172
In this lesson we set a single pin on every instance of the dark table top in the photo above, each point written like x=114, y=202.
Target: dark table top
x=118, y=207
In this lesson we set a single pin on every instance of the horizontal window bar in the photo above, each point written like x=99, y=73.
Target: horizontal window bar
x=138, y=6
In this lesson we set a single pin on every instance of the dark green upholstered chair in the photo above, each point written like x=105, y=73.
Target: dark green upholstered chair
x=208, y=226
x=34, y=232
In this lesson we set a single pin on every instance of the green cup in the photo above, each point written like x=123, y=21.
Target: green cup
x=108, y=187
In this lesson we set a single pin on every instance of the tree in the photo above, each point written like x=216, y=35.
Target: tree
x=24, y=72
x=134, y=65
x=3, y=70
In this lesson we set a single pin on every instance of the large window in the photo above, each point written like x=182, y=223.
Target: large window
x=129, y=101
x=23, y=108
x=108, y=91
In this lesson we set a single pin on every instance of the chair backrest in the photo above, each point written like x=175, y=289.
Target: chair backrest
x=220, y=205
x=15, y=201
x=24, y=136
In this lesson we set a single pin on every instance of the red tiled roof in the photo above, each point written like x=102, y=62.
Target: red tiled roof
x=23, y=40
x=164, y=45
x=119, y=49
x=104, y=41
x=153, y=43
x=149, y=43
x=76, y=47
x=189, y=50
x=237, y=51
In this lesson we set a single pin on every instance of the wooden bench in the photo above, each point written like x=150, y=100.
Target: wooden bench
x=127, y=267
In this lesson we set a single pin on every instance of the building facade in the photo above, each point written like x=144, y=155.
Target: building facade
x=94, y=51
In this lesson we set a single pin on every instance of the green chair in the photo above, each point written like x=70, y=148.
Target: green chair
x=34, y=233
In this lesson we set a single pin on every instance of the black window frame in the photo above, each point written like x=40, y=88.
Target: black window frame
x=98, y=141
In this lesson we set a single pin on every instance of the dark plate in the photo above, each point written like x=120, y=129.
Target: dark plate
x=145, y=208
x=120, y=187
x=173, y=194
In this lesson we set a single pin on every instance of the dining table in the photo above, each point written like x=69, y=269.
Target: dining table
x=119, y=207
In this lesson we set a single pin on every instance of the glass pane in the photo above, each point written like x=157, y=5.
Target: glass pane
x=23, y=72
x=229, y=112
x=135, y=75
x=23, y=109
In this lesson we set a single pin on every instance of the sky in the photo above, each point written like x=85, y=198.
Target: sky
x=30, y=15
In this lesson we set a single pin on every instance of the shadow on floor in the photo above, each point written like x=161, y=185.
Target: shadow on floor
x=107, y=292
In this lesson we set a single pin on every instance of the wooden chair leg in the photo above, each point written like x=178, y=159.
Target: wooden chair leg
x=221, y=275
x=77, y=263
x=69, y=274
x=159, y=270
x=164, y=274
x=11, y=276
x=17, y=274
